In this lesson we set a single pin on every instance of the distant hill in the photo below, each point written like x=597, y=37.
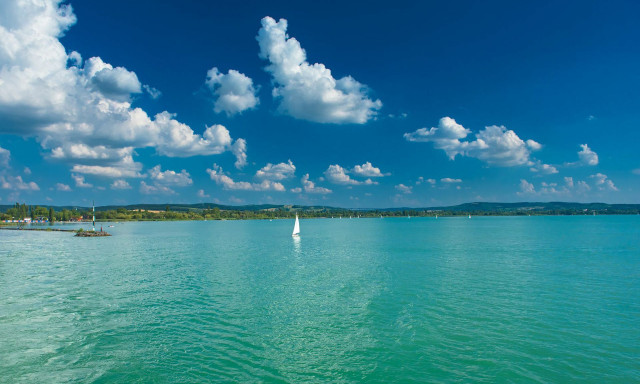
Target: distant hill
x=470, y=208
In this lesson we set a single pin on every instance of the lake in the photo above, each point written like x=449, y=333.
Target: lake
x=393, y=300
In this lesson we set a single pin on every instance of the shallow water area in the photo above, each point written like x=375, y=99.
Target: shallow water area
x=393, y=300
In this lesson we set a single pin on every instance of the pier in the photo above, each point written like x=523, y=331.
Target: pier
x=78, y=232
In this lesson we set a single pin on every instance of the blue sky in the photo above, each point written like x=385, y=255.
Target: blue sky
x=354, y=104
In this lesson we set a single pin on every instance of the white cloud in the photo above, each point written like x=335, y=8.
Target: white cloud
x=50, y=95
x=445, y=136
x=17, y=183
x=124, y=167
x=309, y=91
x=636, y=171
x=169, y=177
x=234, y=91
x=494, y=144
x=543, y=168
x=587, y=156
x=338, y=175
x=568, y=182
x=296, y=190
x=202, y=194
x=431, y=181
x=533, y=145
x=115, y=83
x=526, y=187
x=570, y=187
x=5, y=155
x=499, y=146
x=368, y=170
x=450, y=180
x=239, y=149
x=603, y=182
x=153, y=92
x=582, y=187
x=27, y=171
x=310, y=187
x=63, y=187
x=80, y=182
x=404, y=189
x=155, y=189
x=217, y=174
x=120, y=184
x=278, y=172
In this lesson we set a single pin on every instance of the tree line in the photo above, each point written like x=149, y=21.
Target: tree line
x=22, y=211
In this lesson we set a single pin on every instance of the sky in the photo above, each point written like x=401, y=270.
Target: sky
x=351, y=104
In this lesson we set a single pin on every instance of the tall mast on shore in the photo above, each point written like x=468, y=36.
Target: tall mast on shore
x=94, y=215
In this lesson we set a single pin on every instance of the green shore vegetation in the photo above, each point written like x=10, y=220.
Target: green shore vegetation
x=207, y=212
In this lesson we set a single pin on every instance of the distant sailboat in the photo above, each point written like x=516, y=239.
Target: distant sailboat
x=296, y=228
x=469, y=216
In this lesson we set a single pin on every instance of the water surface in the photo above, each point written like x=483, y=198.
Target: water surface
x=538, y=299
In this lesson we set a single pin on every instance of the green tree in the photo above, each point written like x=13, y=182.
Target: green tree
x=52, y=215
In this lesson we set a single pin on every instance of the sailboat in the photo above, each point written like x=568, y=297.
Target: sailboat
x=296, y=228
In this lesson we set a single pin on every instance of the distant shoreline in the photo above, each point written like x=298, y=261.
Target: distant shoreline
x=210, y=211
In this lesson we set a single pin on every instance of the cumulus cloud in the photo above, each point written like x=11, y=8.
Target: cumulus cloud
x=5, y=155
x=116, y=83
x=496, y=145
x=582, y=187
x=445, y=136
x=153, y=92
x=338, y=175
x=239, y=149
x=546, y=169
x=569, y=182
x=69, y=104
x=404, y=189
x=368, y=170
x=277, y=172
x=234, y=91
x=63, y=187
x=155, y=189
x=526, y=187
x=125, y=167
x=587, y=156
x=309, y=91
x=120, y=184
x=569, y=188
x=16, y=183
x=296, y=190
x=80, y=182
x=310, y=187
x=169, y=177
x=217, y=174
x=26, y=170
x=603, y=182
x=450, y=180
x=202, y=194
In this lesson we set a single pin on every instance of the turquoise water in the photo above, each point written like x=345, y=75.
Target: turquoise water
x=500, y=299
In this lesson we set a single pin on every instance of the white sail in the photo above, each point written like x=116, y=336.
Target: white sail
x=296, y=227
